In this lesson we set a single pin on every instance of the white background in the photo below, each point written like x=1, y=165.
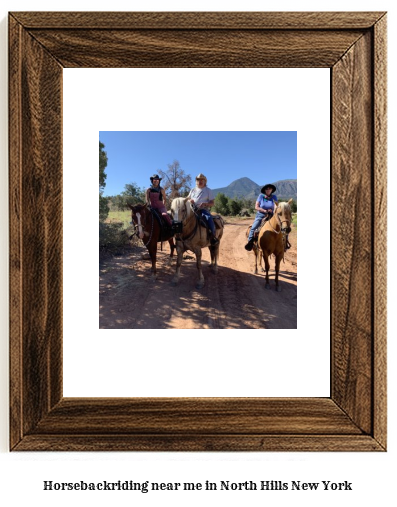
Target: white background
x=236, y=362
x=21, y=475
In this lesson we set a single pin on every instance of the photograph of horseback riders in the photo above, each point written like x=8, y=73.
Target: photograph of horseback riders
x=198, y=229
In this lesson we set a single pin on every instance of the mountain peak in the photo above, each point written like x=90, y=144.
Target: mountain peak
x=246, y=188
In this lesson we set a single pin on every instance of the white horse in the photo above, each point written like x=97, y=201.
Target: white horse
x=193, y=236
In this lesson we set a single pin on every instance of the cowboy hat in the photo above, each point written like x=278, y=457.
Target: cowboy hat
x=201, y=177
x=269, y=185
x=155, y=177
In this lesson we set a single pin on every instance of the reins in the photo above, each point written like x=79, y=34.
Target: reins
x=194, y=230
x=278, y=218
x=151, y=230
x=282, y=230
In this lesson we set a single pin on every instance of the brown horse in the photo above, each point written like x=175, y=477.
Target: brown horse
x=193, y=236
x=272, y=238
x=148, y=229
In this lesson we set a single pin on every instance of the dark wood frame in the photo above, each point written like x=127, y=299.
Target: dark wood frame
x=353, y=46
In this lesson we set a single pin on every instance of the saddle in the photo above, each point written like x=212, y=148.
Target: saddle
x=165, y=229
x=264, y=220
x=218, y=222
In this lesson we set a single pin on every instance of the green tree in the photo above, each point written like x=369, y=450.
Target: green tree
x=131, y=194
x=235, y=206
x=103, y=162
x=248, y=204
x=103, y=201
x=221, y=204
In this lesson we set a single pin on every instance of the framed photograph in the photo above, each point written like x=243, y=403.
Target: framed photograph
x=353, y=46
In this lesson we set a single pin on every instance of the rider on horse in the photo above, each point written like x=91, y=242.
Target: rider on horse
x=202, y=198
x=155, y=198
x=264, y=206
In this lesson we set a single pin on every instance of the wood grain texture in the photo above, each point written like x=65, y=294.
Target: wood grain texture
x=36, y=230
x=203, y=443
x=351, y=232
x=202, y=20
x=15, y=227
x=380, y=229
x=173, y=416
x=196, y=48
x=353, y=45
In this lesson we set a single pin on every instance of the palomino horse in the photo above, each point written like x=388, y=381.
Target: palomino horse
x=149, y=231
x=272, y=238
x=193, y=236
x=257, y=253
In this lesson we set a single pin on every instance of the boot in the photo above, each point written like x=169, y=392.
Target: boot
x=250, y=245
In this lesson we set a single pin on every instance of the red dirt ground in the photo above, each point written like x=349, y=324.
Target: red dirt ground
x=235, y=298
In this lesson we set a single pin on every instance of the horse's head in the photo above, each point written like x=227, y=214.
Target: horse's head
x=180, y=209
x=139, y=214
x=283, y=211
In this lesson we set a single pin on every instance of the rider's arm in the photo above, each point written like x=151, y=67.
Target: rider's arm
x=258, y=208
x=163, y=194
x=148, y=196
x=208, y=204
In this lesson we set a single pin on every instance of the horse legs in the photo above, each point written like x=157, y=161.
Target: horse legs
x=172, y=246
x=260, y=261
x=179, y=251
x=152, y=248
x=257, y=254
x=214, y=251
x=267, y=266
x=200, y=282
x=278, y=261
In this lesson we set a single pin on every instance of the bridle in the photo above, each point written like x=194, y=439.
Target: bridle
x=179, y=224
x=140, y=228
x=284, y=230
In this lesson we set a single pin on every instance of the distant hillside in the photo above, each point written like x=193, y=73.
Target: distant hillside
x=244, y=187
x=286, y=189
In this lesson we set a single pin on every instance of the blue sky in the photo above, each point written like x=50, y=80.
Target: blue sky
x=223, y=157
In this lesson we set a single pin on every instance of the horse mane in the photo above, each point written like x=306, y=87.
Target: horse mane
x=284, y=205
x=179, y=201
x=138, y=207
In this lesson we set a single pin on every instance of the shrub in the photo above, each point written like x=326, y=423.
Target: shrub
x=114, y=239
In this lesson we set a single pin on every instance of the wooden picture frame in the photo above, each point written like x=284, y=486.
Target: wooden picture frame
x=353, y=46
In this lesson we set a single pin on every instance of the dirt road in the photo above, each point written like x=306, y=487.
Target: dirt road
x=233, y=299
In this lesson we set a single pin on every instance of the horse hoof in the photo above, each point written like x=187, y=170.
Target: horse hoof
x=199, y=285
x=278, y=289
x=267, y=286
x=174, y=283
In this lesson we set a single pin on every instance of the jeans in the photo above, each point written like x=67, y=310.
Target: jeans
x=257, y=222
x=207, y=215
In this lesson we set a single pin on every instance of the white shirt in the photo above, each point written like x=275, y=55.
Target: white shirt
x=200, y=195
